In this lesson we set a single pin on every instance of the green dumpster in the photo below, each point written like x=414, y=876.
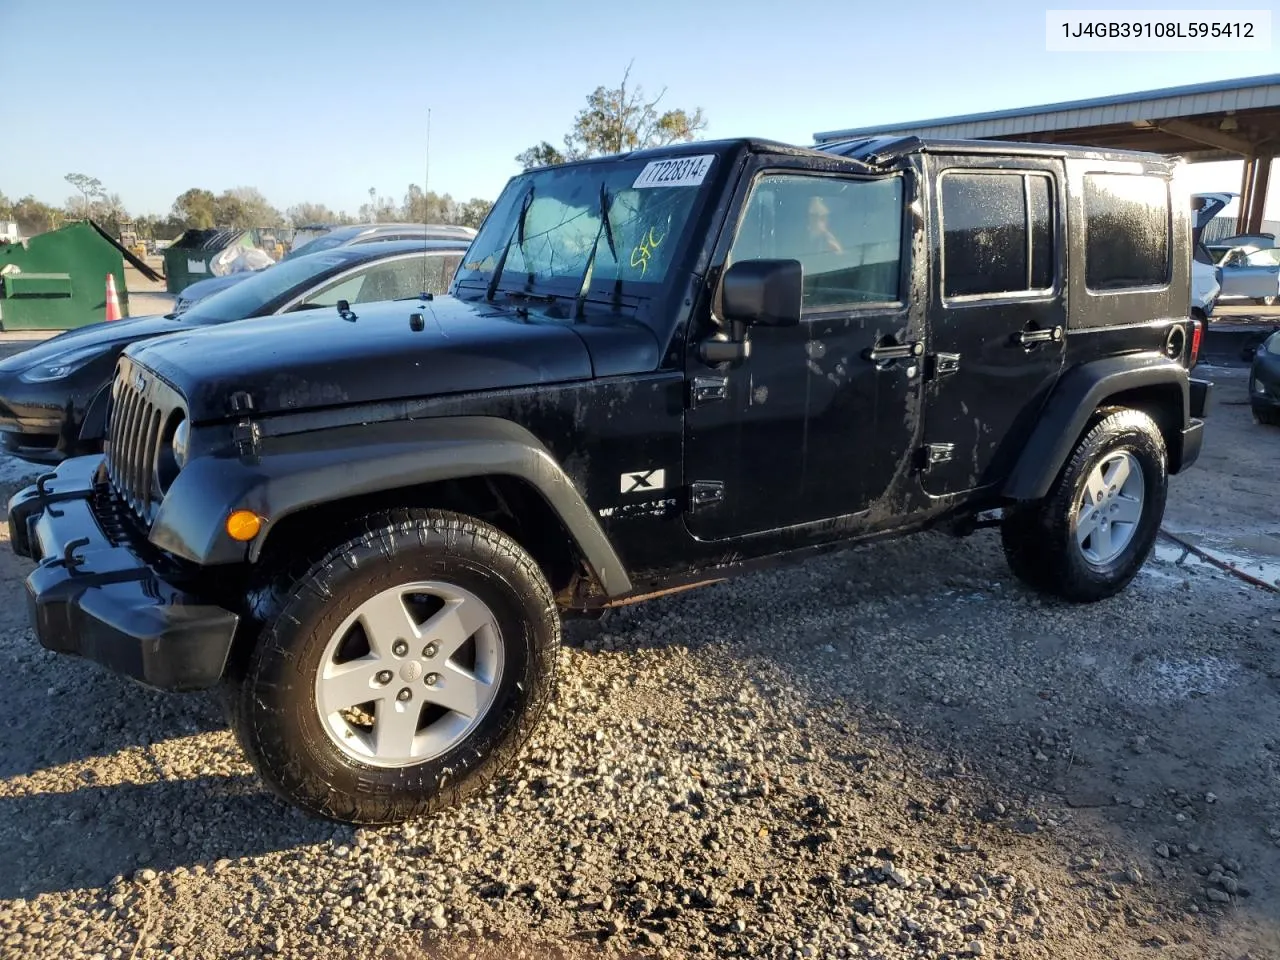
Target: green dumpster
x=187, y=259
x=58, y=280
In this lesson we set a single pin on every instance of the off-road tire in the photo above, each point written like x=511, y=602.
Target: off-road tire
x=1038, y=538
x=270, y=693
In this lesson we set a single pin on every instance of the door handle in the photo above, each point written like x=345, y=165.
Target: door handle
x=1025, y=337
x=894, y=351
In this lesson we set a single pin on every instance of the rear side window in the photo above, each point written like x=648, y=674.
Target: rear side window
x=997, y=234
x=1126, y=231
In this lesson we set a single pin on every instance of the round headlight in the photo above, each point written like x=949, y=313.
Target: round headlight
x=181, y=434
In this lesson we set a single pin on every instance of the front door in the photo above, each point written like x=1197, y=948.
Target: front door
x=811, y=425
x=997, y=314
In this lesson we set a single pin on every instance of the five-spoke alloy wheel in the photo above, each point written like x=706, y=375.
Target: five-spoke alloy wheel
x=412, y=689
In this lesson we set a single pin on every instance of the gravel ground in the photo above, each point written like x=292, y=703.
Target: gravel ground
x=890, y=752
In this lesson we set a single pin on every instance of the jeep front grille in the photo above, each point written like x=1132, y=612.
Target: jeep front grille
x=141, y=406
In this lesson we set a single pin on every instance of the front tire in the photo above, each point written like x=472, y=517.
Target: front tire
x=401, y=673
x=1087, y=539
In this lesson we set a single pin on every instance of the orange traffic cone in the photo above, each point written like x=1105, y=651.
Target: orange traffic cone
x=113, y=305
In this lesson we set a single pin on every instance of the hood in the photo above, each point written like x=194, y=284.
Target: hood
x=211, y=285
x=315, y=358
x=104, y=335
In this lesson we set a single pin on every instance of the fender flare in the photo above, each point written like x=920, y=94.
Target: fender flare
x=297, y=471
x=1075, y=398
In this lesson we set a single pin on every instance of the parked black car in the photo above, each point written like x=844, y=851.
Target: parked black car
x=1264, y=381
x=51, y=392
x=654, y=371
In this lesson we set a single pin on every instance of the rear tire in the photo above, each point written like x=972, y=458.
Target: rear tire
x=1087, y=539
x=448, y=627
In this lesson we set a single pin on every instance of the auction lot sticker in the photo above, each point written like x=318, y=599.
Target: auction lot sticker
x=676, y=172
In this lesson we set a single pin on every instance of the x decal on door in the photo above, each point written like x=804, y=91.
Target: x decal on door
x=644, y=480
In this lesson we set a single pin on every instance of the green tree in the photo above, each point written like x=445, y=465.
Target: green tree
x=195, y=209
x=302, y=213
x=35, y=217
x=618, y=120
x=543, y=155
x=245, y=207
x=474, y=211
x=380, y=210
x=434, y=208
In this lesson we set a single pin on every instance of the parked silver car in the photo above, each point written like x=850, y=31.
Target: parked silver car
x=337, y=237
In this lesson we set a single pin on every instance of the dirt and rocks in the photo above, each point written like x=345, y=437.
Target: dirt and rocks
x=891, y=752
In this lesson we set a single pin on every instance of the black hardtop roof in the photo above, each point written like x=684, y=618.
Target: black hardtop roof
x=873, y=149
x=865, y=152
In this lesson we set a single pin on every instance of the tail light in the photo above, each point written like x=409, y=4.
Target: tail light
x=1196, y=330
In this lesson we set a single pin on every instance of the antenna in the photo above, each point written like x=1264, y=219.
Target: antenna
x=426, y=172
x=426, y=209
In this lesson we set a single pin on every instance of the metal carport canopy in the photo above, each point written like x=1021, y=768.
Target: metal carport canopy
x=1223, y=120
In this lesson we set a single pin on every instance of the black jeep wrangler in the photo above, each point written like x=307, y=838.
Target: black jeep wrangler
x=651, y=371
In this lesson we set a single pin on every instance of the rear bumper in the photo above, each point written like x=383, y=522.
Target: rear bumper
x=93, y=598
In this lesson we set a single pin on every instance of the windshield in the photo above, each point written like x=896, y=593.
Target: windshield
x=650, y=205
x=318, y=245
x=251, y=295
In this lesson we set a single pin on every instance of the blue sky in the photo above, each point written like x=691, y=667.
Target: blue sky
x=321, y=100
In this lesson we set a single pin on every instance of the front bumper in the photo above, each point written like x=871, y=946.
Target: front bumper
x=40, y=422
x=90, y=596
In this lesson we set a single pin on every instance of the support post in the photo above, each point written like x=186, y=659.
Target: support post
x=1246, y=193
x=1261, y=180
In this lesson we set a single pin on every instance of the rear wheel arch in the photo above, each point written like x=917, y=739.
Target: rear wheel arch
x=1151, y=383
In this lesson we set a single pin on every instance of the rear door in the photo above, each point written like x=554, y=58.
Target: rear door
x=997, y=314
x=1251, y=273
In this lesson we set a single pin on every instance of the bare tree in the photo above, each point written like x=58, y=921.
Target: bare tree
x=89, y=187
x=618, y=120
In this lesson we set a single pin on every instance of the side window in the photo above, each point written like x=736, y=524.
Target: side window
x=847, y=234
x=380, y=281
x=1126, y=231
x=394, y=280
x=347, y=289
x=997, y=233
x=440, y=271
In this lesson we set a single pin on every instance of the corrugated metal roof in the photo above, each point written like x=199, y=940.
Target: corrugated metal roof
x=1248, y=93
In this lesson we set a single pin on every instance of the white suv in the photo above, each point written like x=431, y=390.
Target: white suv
x=1206, y=276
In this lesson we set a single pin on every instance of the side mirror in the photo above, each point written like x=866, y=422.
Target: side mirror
x=763, y=293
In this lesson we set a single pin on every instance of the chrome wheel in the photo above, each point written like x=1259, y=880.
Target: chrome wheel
x=1111, y=508
x=409, y=674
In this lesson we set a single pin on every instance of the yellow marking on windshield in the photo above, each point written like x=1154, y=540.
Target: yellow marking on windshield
x=644, y=250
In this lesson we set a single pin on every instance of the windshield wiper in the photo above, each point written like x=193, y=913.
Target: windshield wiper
x=606, y=228
x=518, y=231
